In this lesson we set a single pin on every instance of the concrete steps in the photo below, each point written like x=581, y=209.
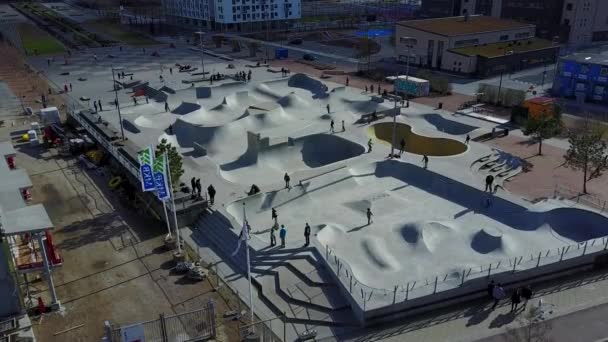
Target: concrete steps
x=289, y=281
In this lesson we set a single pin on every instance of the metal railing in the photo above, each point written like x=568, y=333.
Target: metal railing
x=364, y=294
x=589, y=200
x=195, y=325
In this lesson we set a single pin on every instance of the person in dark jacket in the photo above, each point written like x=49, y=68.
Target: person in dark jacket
x=307, y=233
x=211, y=192
x=286, y=178
x=526, y=294
x=275, y=216
x=193, y=185
x=515, y=299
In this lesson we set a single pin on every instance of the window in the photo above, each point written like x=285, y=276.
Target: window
x=504, y=37
x=568, y=7
x=466, y=42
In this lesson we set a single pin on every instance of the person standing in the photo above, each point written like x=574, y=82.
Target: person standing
x=198, y=187
x=193, y=185
x=425, y=160
x=211, y=192
x=166, y=106
x=369, y=146
x=498, y=293
x=307, y=234
x=402, y=146
x=275, y=216
x=70, y=87
x=95, y=105
x=171, y=71
x=286, y=178
x=371, y=88
x=467, y=139
x=328, y=109
x=99, y=104
x=347, y=81
x=489, y=182
x=283, y=235
x=134, y=101
x=515, y=299
x=273, y=238
x=331, y=126
x=366, y=89
x=369, y=216
x=526, y=294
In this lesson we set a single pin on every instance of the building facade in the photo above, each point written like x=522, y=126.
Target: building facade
x=582, y=76
x=232, y=14
x=478, y=45
x=587, y=21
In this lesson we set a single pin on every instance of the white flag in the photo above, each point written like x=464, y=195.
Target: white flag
x=244, y=233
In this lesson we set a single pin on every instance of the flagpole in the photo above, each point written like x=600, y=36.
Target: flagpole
x=246, y=232
x=179, y=247
x=167, y=218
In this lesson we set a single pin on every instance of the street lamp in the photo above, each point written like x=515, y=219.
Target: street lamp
x=409, y=43
x=201, y=34
x=507, y=52
x=122, y=131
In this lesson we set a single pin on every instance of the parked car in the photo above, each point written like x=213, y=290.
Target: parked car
x=308, y=57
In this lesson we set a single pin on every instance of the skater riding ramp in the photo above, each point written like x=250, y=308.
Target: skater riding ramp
x=273, y=161
x=414, y=143
x=302, y=81
x=448, y=126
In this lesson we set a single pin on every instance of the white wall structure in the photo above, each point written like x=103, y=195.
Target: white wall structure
x=588, y=20
x=208, y=13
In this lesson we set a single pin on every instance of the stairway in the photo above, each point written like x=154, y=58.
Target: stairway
x=289, y=282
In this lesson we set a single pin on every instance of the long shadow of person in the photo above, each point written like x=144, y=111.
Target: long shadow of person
x=479, y=315
x=502, y=319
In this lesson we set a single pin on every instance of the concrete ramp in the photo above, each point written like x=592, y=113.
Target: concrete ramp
x=302, y=81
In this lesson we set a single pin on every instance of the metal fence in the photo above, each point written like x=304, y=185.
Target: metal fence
x=262, y=330
x=189, y=326
x=589, y=200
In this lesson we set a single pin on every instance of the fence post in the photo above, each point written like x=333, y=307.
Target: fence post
x=395, y=294
x=489, y=270
x=351, y=284
x=435, y=288
x=407, y=290
x=585, y=249
x=327, y=252
x=606, y=244
x=163, y=328
x=514, y=264
x=562, y=255
x=538, y=261
x=462, y=280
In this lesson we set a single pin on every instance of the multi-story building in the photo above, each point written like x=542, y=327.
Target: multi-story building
x=583, y=76
x=587, y=21
x=231, y=14
x=479, y=45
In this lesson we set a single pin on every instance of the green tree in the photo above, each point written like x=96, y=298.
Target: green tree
x=587, y=152
x=542, y=127
x=175, y=160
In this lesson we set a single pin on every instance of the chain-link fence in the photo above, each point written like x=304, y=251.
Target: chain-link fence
x=188, y=326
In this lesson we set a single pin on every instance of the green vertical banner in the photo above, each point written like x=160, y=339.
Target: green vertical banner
x=146, y=174
x=160, y=178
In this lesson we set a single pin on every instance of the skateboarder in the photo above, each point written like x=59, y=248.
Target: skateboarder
x=99, y=104
x=211, y=192
x=273, y=238
x=369, y=216
x=425, y=160
x=331, y=126
x=283, y=235
x=489, y=182
x=468, y=138
x=286, y=178
x=328, y=111
x=369, y=146
x=307, y=234
x=402, y=146
x=275, y=216
x=134, y=101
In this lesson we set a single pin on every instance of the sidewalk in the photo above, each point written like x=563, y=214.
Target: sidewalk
x=477, y=320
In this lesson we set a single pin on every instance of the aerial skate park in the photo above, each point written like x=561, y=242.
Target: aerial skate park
x=435, y=235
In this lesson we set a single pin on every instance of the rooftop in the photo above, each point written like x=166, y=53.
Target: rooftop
x=457, y=26
x=588, y=58
x=498, y=49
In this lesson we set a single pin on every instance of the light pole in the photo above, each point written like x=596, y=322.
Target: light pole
x=507, y=52
x=409, y=43
x=200, y=34
x=122, y=131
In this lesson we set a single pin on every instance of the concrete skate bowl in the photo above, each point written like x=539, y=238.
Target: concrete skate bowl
x=414, y=143
x=448, y=126
x=487, y=240
x=186, y=108
x=426, y=235
x=577, y=225
x=302, y=81
x=308, y=152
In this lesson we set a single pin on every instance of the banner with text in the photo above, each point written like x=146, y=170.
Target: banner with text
x=160, y=177
x=146, y=175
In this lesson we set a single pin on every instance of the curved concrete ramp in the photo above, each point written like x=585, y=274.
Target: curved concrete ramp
x=186, y=108
x=314, y=151
x=448, y=126
x=316, y=87
x=414, y=143
x=487, y=240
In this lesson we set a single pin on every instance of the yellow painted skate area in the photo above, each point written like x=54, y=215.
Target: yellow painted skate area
x=414, y=143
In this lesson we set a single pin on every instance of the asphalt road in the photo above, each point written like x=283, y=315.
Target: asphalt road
x=590, y=325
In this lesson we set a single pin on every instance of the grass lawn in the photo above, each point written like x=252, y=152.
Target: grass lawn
x=34, y=38
x=121, y=33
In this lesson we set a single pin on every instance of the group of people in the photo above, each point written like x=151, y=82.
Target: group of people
x=97, y=106
x=285, y=72
x=331, y=126
x=195, y=184
x=371, y=88
x=243, y=76
x=498, y=293
x=283, y=231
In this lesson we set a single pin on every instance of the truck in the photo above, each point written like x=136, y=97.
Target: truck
x=412, y=86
